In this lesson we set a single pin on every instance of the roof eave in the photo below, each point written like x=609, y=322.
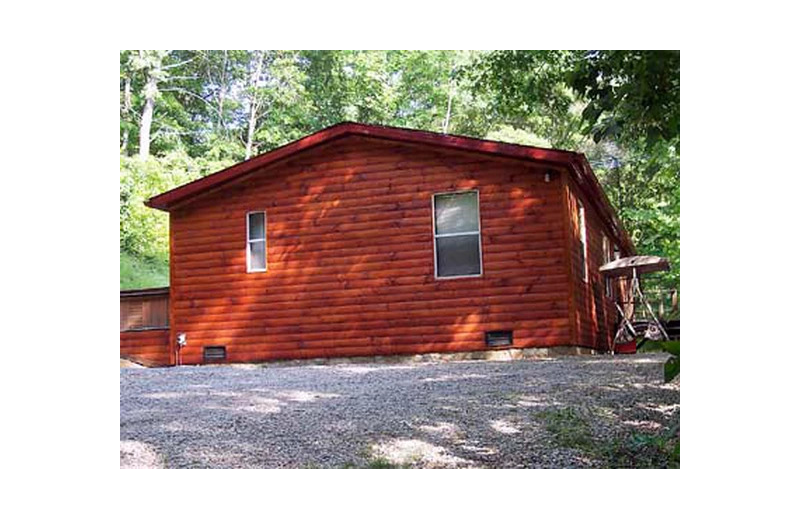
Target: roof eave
x=576, y=162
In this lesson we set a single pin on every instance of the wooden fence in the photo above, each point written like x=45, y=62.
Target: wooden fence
x=144, y=326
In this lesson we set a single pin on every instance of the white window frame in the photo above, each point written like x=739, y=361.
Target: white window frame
x=249, y=241
x=463, y=233
x=584, y=245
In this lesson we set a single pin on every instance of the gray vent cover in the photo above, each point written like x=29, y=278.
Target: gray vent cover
x=499, y=338
x=213, y=354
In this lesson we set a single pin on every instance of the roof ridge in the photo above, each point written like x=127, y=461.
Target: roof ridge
x=576, y=163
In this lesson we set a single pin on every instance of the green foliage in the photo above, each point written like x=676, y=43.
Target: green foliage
x=375, y=463
x=138, y=273
x=210, y=105
x=379, y=463
x=620, y=95
x=644, y=450
x=643, y=184
x=528, y=90
x=570, y=427
x=628, y=102
x=630, y=95
x=509, y=134
x=144, y=232
x=672, y=367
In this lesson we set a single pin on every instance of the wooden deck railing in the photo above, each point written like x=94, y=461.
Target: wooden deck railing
x=664, y=302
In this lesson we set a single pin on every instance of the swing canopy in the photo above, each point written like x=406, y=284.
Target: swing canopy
x=623, y=267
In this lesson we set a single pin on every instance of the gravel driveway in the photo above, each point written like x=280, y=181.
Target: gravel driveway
x=525, y=413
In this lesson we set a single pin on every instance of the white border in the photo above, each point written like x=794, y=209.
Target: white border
x=248, y=240
x=435, y=235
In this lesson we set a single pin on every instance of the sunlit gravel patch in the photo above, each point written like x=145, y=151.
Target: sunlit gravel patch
x=442, y=414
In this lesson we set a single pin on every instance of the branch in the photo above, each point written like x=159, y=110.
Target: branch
x=189, y=92
x=167, y=67
x=176, y=78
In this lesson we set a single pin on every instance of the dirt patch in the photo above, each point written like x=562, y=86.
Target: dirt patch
x=126, y=363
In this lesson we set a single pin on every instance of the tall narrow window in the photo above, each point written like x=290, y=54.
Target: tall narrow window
x=457, y=235
x=582, y=228
x=256, y=241
x=606, y=259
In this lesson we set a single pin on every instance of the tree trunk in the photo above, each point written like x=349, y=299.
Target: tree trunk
x=254, y=105
x=152, y=72
x=150, y=91
x=223, y=86
x=126, y=110
x=446, y=124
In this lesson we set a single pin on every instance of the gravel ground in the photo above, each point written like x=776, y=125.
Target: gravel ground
x=444, y=414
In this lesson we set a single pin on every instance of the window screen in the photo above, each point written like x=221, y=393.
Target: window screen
x=457, y=235
x=256, y=241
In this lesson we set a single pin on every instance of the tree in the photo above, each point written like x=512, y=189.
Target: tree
x=630, y=95
x=643, y=182
x=165, y=91
x=150, y=64
x=622, y=95
x=205, y=109
x=276, y=100
x=528, y=90
x=628, y=102
x=126, y=102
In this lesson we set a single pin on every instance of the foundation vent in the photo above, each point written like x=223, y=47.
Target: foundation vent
x=499, y=338
x=214, y=354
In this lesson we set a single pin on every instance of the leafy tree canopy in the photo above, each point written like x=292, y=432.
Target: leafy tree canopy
x=186, y=114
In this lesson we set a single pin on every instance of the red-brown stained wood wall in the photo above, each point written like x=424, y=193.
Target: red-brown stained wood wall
x=148, y=347
x=594, y=313
x=350, y=257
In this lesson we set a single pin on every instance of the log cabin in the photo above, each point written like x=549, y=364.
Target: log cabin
x=364, y=240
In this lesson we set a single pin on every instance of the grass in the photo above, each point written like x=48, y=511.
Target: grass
x=381, y=463
x=376, y=463
x=571, y=428
x=662, y=450
x=568, y=427
x=141, y=273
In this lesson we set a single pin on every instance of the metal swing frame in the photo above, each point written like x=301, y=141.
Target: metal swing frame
x=626, y=331
x=626, y=325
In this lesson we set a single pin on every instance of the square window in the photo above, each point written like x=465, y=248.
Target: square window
x=458, y=256
x=258, y=256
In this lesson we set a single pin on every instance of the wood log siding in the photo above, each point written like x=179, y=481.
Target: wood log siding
x=144, y=312
x=594, y=314
x=147, y=347
x=144, y=327
x=350, y=257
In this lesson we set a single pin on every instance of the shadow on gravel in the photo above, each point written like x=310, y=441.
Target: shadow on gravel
x=465, y=414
